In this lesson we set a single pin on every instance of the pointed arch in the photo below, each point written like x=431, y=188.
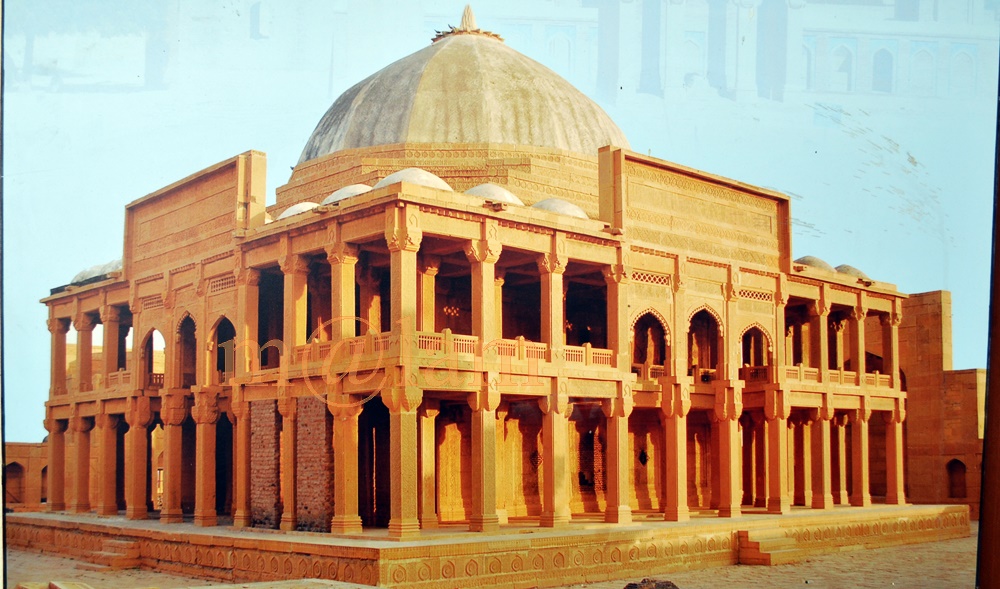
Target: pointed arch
x=650, y=342
x=708, y=309
x=659, y=317
x=756, y=345
x=222, y=343
x=180, y=322
x=185, y=358
x=149, y=369
x=767, y=335
x=13, y=483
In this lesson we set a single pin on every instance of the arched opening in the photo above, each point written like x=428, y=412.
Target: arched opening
x=756, y=350
x=882, y=71
x=956, y=479
x=151, y=362
x=225, y=351
x=45, y=484
x=187, y=352
x=374, y=464
x=703, y=346
x=841, y=70
x=223, y=466
x=13, y=483
x=649, y=347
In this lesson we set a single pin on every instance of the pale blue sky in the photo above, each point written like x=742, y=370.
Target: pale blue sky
x=121, y=98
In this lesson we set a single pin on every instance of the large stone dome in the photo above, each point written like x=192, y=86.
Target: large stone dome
x=466, y=87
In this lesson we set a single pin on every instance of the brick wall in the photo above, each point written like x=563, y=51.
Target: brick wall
x=265, y=494
x=314, y=467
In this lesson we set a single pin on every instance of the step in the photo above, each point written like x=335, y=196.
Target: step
x=113, y=560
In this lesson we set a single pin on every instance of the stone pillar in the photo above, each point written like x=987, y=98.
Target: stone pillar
x=343, y=260
x=822, y=496
x=56, y=500
x=840, y=495
x=107, y=431
x=173, y=412
x=296, y=274
x=761, y=464
x=551, y=267
x=84, y=325
x=241, y=463
x=402, y=402
x=803, y=439
x=555, y=449
x=858, y=344
x=205, y=414
x=245, y=354
x=747, y=459
x=429, y=268
x=429, y=410
x=503, y=477
x=403, y=239
x=139, y=417
x=484, y=404
x=777, y=407
x=287, y=406
x=838, y=327
x=890, y=345
x=616, y=277
x=617, y=476
x=370, y=306
x=676, y=403
x=860, y=487
x=728, y=408
x=895, y=493
x=498, y=293
x=819, y=319
x=111, y=320
x=58, y=328
x=483, y=255
x=81, y=427
x=345, y=410
x=715, y=457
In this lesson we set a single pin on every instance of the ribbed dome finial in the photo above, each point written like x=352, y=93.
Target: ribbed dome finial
x=466, y=27
x=468, y=20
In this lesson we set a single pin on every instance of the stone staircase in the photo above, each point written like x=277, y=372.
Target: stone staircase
x=768, y=548
x=116, y=555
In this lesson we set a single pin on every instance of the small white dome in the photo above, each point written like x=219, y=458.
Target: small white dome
x=560, y=207
x=495, y=193
x=815, y=262
x=852, y=271
x=346, y=192
x=98, y=270
x=297, y=209
x=268, y=218
x=415, y=176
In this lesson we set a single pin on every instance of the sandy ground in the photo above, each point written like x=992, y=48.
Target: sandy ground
x=937, y=565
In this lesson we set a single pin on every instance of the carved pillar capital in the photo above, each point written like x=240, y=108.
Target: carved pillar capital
x=430, y=408
x=777, y=404
x=402, y=398
x=206, y=408
x=106, y=421
x=53, y=425
x=174, y=409
x=342, y=253
x=402, y=228
x=483, y=251
x=138, y=412
x=110, y=314
x=485, y=399
x=551, y=263
x=84, y=322
x=288, y=408
x=619, y=406
x=57, y=326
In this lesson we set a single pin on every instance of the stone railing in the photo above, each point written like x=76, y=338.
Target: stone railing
x=154, y=380
x=757, y=374
x=119, y=378
x=589, y=356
